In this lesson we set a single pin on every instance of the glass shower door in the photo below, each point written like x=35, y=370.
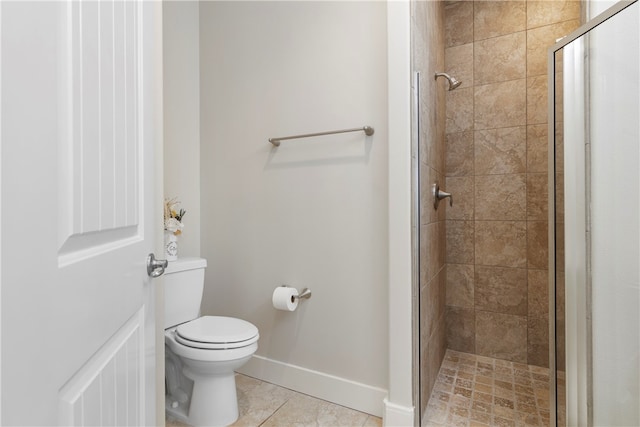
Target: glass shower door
x=597, y=220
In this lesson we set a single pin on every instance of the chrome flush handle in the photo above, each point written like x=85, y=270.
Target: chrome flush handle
x=439, y=195
x=155, y=267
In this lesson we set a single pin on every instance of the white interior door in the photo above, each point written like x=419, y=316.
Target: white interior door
x=79, y=132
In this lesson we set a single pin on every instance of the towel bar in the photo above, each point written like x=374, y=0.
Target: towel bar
x=368, y=130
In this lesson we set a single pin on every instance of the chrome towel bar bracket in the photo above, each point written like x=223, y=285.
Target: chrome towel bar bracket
x=368, y=130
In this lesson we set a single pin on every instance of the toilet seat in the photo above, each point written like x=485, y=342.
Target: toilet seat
x=216, y=333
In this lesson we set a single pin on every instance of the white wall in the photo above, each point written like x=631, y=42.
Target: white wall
x=311, y=213
x=182, y=116
x=400, y=408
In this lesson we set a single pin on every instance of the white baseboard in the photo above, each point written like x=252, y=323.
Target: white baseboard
x=354, y=395
x=397, y=416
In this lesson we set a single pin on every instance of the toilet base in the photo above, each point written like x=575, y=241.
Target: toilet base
x=176, y=411
x=201, y=384
x=214, y=401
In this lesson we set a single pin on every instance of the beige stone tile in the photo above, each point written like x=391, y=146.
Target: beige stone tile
x=559, y=97
x=501, y=290
x=459, y=154
x=538, y=341
x=559, y=147
x=540, y=39
x=483, y=388
x=525, y=419
x=522, y=390
x=500, y=151
x=547, y=12
x=460, y=285
x=560, y=247
x=537, y=249
x=501, y=243
x=432, y=115
x=458, y=22
x=522, y=378
x=559, y=200
x=502, y=393
x=258, y=402
x=500, y=105
x=499, y=421
x=461, y=189
x=432, y=244
x=460, y=242
x=372, y=421
x=459, y=402
x=462, y=391
x=502, y=336
x=481, y=415
x=538, y=293
x=458, y=62
x=441, y=256
x=460, y=324
x=503, y=406
x=485, y=362
x=245, y=383
x=543, y=371
x=500, y=197
x=483, y=397
x=432, y=302
x=303, y=410
x=537, y=149
x=438, y=157
x=537, y=197
x=537, y=100
x=459, y=110
x=495, y=18
x=444, y=397
x=499, y=59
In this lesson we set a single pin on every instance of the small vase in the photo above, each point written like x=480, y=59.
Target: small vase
x=170, y=246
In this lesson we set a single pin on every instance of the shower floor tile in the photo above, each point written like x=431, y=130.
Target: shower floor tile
x=481, y=391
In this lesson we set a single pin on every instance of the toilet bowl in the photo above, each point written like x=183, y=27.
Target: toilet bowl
x=202, y=354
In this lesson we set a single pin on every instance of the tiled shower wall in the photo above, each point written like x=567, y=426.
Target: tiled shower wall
x=496, y=168
x=428, y=58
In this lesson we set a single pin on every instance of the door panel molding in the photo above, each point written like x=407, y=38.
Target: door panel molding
x=109, y=388
x=99, y=161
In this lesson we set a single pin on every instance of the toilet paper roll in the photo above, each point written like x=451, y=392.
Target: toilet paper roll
x=284, y=298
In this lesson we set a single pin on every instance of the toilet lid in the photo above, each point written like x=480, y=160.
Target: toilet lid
x=217, y=332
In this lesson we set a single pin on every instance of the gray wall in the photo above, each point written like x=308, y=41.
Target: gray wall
x=311, y=213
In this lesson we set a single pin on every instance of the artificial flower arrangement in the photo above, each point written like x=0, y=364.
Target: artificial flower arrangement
x=173, y=216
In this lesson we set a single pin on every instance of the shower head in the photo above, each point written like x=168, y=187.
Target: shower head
x=453, y=82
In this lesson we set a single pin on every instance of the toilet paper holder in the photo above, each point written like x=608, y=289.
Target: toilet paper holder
x=306, y=293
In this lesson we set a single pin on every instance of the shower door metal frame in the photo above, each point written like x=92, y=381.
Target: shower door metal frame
x=585, y=411
x=415, y=243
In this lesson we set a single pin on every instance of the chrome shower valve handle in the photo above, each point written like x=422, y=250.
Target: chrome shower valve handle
x=439, y=195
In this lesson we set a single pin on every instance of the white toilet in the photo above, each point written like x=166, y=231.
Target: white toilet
x=201, y=352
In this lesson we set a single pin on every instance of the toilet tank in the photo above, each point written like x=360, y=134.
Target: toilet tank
x=183, y=286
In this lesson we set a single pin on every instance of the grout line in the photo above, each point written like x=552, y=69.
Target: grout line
x=273, y=413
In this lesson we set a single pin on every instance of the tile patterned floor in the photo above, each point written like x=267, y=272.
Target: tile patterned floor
x=480, y=391
x=268, y=405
